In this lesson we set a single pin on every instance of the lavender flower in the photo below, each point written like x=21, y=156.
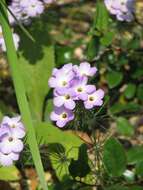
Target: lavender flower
x=61, y=78
x=85, y=69
x=64, y=97
x=123, y=9
x=11, y=133
x=10, y=143
x=49, y=1
x=94, y=99
x=15, y=125
x=32, y=8
x=70, y=85
x=81, y=88
x=8, y=159
x=61, y=116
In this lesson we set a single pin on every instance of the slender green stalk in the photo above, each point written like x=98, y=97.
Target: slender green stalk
x=20, y=94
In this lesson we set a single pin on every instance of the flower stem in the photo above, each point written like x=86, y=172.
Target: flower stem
x=20, y=93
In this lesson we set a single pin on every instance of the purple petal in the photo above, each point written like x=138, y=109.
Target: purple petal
x=5, y=160
x=18, y=132
x=83, y=96
x=58, y=101
x=61, y=123
x=17, y=146
x=92, y=71
x=90, y=88
x=54, y=116
x=88, y=105
x=52, y=82
x=70, y=104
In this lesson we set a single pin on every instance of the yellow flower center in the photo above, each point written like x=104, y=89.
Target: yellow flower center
x=64, y=83
x=64, y=115
x=91, y=98
x=67, y=97
x=79, y=89
x=10, y=139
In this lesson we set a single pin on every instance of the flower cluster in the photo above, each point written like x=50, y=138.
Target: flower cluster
x=11, y=133
x=70, y=85
x=123, y=9
x=23, y=11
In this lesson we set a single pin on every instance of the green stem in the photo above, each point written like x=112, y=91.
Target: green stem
x=20, y=93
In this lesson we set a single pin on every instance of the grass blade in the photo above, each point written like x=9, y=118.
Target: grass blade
x=20, y=93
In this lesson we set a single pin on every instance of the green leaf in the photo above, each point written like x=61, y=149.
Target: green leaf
x=21, y=94
x=114, y=157
x=116, y=187
x=101, y=17
x=36, y=79
x=63, y=144
x=124, y=127
x=107, y=39
x=136, y=188
x=140, y=92
x=139, y=169
x=135, y=155
x=93, y=48
x=9, y=173
x=1, y=115
x=48, y=133
x=130, y=91
x=80, y=167
x=130, y=107
x=138, y=73
x=114, y=78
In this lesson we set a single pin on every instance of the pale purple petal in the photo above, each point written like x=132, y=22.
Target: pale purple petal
x=69, y=104
x=5, y=160
x=83, y=96
x=58, y=101
x=90, y=88
x=88, y=105
x=54, y=116
x=61, y=123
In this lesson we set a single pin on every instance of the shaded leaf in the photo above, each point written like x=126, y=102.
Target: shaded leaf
x=80, y=167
